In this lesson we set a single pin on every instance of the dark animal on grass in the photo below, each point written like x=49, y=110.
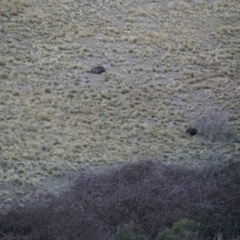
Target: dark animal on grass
x=98, y=70
x=191, y=131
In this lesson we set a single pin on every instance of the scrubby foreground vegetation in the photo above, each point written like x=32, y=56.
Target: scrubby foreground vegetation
x=148, y=196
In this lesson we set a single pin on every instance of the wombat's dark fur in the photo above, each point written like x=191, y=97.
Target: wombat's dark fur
x=98, y=70
x=191, y=131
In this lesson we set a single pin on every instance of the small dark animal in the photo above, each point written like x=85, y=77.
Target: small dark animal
x=98, y=70
x=191, y=131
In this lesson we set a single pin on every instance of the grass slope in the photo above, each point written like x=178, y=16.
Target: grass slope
x=170, y=65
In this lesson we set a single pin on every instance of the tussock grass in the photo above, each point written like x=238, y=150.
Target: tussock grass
x=166, y=63
x=12, y=8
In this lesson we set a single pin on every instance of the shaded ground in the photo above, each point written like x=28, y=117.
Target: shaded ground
x=168, y=64
x=150, y=195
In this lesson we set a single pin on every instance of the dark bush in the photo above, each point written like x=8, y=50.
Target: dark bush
x=127, y=233
x=215, y=127
x=149, y=194
x=184, y=229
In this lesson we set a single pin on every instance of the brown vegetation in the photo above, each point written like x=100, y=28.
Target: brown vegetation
x=148, y=194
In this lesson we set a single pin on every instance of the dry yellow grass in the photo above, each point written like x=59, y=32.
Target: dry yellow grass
x=167, y=64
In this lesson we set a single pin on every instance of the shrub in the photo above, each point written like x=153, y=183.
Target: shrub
x=184, y=229
x=167, y=234
x=126, y=233
x=215, y=127
x=150, y=194
x=185, y=225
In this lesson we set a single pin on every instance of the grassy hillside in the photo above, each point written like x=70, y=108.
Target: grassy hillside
x=170, y=65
